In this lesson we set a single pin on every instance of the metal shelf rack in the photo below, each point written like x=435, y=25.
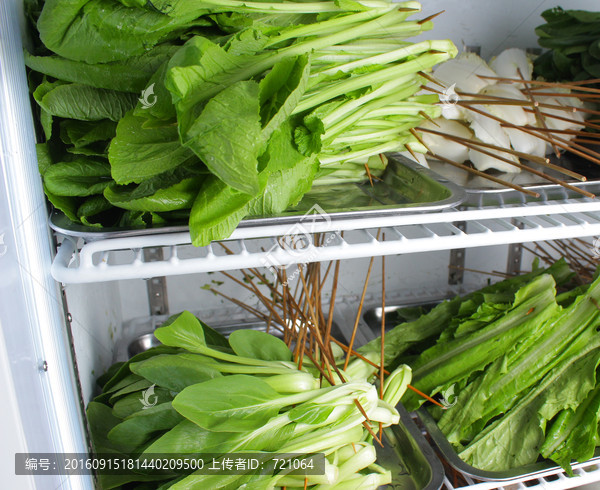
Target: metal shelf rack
x=488, y=219
x=585, y=474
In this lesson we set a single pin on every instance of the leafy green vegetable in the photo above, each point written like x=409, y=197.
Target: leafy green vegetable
x=569, y=437
x=82, y=133
x=521, y=363
x=178, y=196
x=176, y=371
x=138, y=153
x=227, y=109
x=139, y=427
x=129, y=75
x=259, y=345
x=101, y=31
x=81, y=177
x=235, y=403
x=226, y=136
x=572, y=38
x=172, y=400
x=77, y=101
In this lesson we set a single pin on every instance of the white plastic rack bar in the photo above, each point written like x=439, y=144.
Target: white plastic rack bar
x=102, y=260
x=585, y=474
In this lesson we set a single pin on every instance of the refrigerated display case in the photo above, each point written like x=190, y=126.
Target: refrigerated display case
x=72, y=302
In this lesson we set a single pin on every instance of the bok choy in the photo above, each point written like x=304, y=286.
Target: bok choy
x=240, y=395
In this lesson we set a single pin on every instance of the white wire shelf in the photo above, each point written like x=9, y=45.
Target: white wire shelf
x=585, y=474
x=123, y=258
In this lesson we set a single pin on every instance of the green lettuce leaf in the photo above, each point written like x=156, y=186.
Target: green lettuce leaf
x=81, y=177
x=76, y=101
x=129, y=75
x=101, y=31
x=216, y=212
x=226, y=136
x=178, y=196
x=138, y=153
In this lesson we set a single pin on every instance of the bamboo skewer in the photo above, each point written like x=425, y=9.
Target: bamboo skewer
x=332, y=305
x=538, y=115
x=524, y=167
x=472, y=170
x=542, y=161
x=587, y=124
x=575, y=132
x=431, y=17
x=362, y=300
x=459, y=139
x=576, y=148
x=582, y=140
x=479, y=173
x=569, y=85
x=566, y=147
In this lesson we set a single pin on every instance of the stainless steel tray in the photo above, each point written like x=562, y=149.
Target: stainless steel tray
x=535, y=470
x=405, y=187
x=406, y=453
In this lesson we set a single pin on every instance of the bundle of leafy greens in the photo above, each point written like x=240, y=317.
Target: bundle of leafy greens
x=216, y=396
x=572, y=38
x=210, y=111
x=522, y=363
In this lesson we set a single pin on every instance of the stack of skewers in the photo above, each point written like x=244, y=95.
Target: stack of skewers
x=495, y=117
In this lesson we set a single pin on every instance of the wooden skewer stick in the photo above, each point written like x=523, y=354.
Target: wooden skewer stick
x=472, y=170
x=585, y=141
x=485, y=99
x=576, y=148
x=527, y=156
x=587, y=124
x=362, y=300
x=550, y=84
x=428, y=117
x=479, y=173
x=533, y=133
x=369, y=174
x=336, y=274
x=431, y=17
x=427, y=397
x=356, y=354
x=542, y=161
x=313, y=326
x=477, y=271
x=575, y=132
x=538, y=115
x=493, y=100
x=427, y=76
x=536, y=253
x=528, y=169
x=431, y=89
x=569, y=95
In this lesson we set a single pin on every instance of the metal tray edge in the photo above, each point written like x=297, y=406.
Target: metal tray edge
x=62, y=225
x=437, y=469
